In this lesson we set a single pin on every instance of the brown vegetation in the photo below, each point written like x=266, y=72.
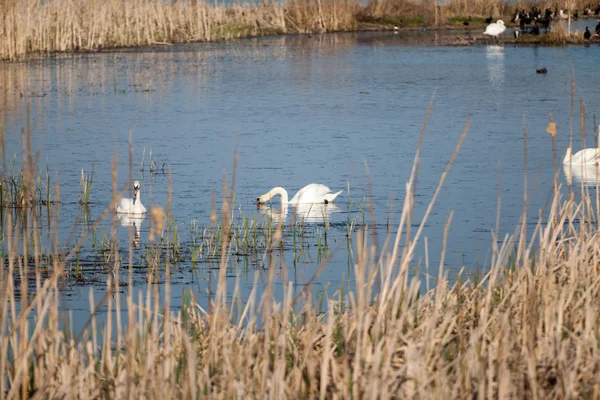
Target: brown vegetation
x=33, y=26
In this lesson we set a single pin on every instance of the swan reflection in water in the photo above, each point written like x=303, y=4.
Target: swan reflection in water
x=495, y=65
x=586, y=175
x=136, y=222
x=303, y=212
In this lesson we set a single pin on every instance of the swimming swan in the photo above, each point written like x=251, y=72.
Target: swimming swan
x=586, y=175
x=313, y=193
x=589, y=156
x=495, y=29
x=132, y=206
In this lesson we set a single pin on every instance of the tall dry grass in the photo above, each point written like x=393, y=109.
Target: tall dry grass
x=36, y=26
x=528, y=327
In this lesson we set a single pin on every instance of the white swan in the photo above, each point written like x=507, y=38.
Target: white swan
x=589, y=156
x=132, y=206
x=313, y=193
x=586, y=175
x=495, y=29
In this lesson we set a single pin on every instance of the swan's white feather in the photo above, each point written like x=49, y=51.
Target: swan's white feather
x=309, y=194
x=124, y=205
x=127, y=206
x=131, y=206
x=314, y=193
x=589, y=156
x=495, y=28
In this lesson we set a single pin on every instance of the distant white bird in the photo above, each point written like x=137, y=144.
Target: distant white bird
x=132, y=206
x=562, y=15
x=313, y=193
x=495, y=29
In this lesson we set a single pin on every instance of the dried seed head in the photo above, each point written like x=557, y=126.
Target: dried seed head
x=158, y=222
x=551, y=128
x=277, y=236
x=213, y=212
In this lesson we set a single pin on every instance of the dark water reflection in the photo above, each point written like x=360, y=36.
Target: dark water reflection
x=301, y=110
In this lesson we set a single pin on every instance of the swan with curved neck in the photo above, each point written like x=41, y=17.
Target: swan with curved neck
x=132, y=206
x=313, y=193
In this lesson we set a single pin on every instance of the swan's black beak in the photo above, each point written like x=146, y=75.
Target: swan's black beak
x=258, y=203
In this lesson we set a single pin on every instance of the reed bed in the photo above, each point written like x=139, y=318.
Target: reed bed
x=35, y=26
x=527, y=327
x=29, y=27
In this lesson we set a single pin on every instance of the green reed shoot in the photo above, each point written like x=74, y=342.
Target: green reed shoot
x=143, y=158
x=152, y=164
x=48, y=186
x=175, y=240
x=325, y=223
x=86, y=183
x=77, y=263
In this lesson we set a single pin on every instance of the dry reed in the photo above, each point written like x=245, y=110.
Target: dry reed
x=46, y=26
x=35, y=26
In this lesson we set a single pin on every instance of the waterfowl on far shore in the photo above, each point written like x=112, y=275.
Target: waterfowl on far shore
x=587, y=34
x=495, y=29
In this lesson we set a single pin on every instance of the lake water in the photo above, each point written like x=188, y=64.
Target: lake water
x=303, y=109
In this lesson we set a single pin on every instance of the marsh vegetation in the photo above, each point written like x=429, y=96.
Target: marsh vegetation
x=526, y=326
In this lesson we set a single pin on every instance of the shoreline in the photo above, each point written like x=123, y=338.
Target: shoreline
x=476, y=39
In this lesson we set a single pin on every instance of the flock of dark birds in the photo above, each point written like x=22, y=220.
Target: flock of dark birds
x=532, y=20
x=537, y=18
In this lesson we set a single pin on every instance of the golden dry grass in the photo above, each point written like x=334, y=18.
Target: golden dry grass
x=33, y=26
x=528, y=327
